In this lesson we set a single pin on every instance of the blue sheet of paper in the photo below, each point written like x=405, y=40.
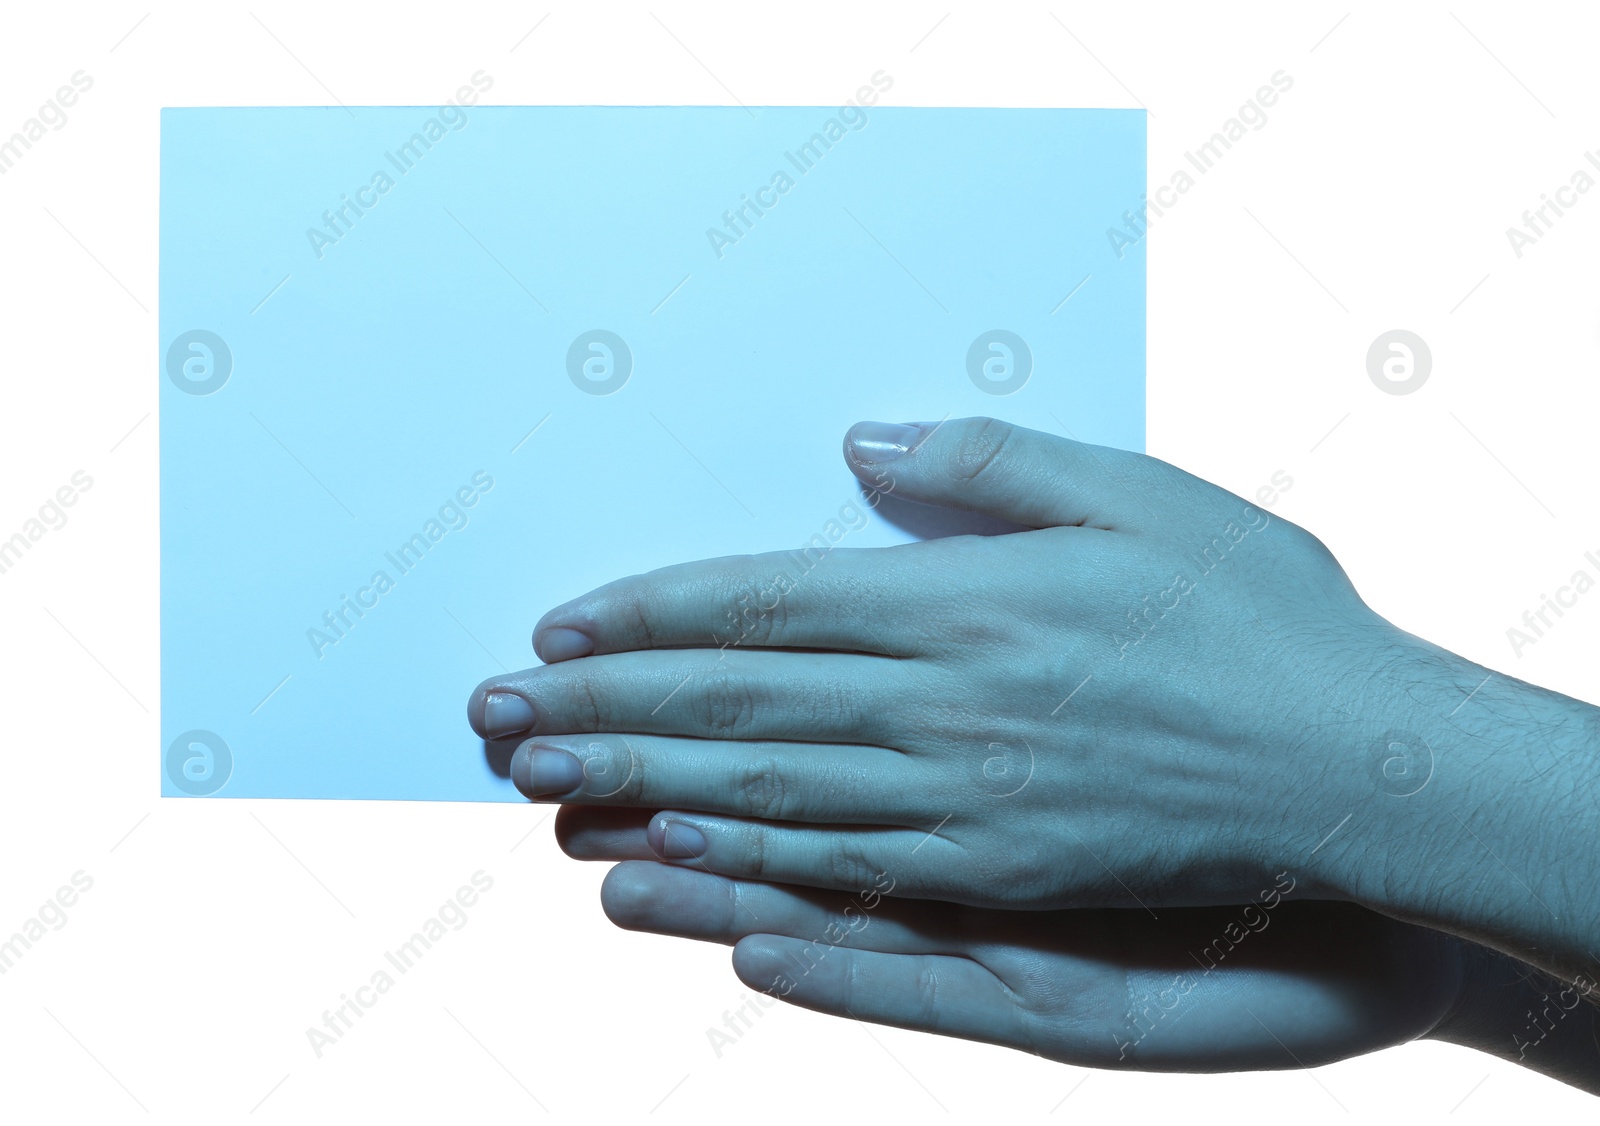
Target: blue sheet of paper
x=427, y=372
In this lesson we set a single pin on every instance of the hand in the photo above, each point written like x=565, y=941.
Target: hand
x=1140, y=703
x=1307, y=984
x=1274, y=984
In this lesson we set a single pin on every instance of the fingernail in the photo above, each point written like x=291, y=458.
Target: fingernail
x=559, y=643
x=542, y=771
x=677, y=841
x=506, y=714
x=875, y=442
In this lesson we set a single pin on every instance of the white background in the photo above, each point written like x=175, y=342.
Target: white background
x=1376, y=197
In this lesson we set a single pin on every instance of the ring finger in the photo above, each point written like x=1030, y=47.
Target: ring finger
x=770, y=781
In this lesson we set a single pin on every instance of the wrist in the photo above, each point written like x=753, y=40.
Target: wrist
x=1469, y=805
x=1518, y=1013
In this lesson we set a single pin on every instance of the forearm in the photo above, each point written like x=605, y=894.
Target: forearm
x=1518, y=1013
x=1484, y=818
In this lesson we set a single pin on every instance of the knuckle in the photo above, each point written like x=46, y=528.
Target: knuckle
x=756, y=611
x=732, y=903
x=854, y=986
x=928, y=994
x=839, y=707
x=764, y=791
x=848, y=868
x=755, y=854
x=724, y=705
x=980, y=448
x=587, y=707
x=612, y=770
x=1313, y=546
x=642, y=615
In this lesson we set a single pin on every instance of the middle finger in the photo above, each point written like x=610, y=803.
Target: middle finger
x=731, y=694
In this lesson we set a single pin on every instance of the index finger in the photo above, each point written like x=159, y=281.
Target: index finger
x=814, y=597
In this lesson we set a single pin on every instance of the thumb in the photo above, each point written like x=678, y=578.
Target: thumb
x=985, y=465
